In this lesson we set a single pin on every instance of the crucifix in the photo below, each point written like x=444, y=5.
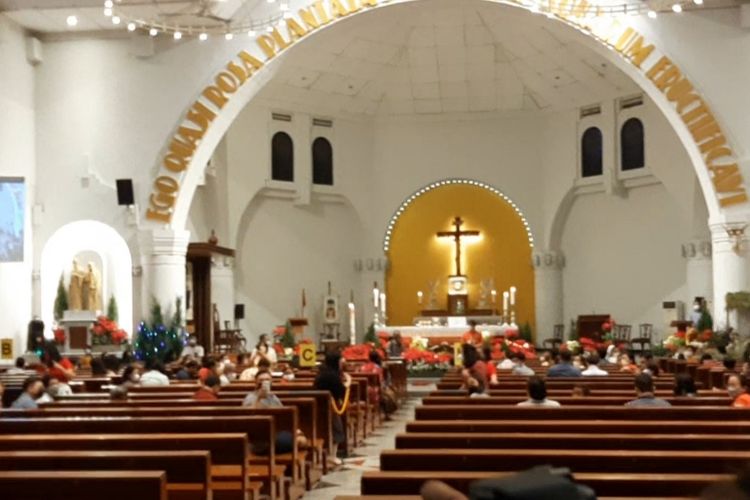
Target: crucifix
x=456, y=235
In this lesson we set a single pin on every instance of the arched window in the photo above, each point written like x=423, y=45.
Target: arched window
x=591, y=152
x=282, y=157
x=631, y=145
x=322, y=162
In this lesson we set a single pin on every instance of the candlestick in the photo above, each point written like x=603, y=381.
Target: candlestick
x=494, y=297
x=382, y=306
x=505, y=303
x=352, y=324
x=419, y=297
x=512, y=295
x=375, y=295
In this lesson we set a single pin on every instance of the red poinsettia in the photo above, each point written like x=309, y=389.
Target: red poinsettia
x=105, y=331
x=59, y=335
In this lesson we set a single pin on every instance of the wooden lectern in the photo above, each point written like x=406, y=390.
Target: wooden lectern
x=590, y=326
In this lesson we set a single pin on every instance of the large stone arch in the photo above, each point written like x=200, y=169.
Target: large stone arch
x=189, y=178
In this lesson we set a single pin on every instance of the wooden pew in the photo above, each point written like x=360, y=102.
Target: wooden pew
x=490, y=412
x=572, y=441
x=187, y=472
x=608, y=484
x=574, y=401
x=83, y=485
x=258, y=429
x=229, y=449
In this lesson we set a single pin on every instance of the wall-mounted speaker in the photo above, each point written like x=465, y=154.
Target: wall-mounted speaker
x=125, y=192
x=239, y=311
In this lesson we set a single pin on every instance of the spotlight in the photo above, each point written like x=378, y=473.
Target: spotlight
x=203, y=37
x=177, y=35
x=115, y=20
x=228, y=36
x=698, y=2
x=71, y=21
x=677, y=8
x=108, y=4
x=131, y=26
x=153, y=32
x=652, y=14
x=107, y=12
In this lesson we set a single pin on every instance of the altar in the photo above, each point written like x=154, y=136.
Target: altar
x=439, y=333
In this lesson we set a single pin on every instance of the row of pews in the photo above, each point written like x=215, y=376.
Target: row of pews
x=620, y=452
x=159, y=443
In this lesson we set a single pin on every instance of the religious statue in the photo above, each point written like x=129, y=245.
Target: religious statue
x=92, y=299
x=75, y=289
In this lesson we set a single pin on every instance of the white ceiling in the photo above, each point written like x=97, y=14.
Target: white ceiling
x=443, y=57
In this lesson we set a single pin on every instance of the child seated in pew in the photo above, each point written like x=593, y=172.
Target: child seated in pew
x=54, y=389
x=684, y=386
x=537, y=391
x=737, y=388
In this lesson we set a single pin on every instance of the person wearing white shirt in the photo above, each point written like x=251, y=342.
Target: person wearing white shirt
x=537, y=390
x=154, y=375
x=192, y=349
x=593, y=369
x=263, y=349
x=506, y=364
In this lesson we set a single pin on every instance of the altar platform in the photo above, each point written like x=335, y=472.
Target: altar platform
x=438, y=334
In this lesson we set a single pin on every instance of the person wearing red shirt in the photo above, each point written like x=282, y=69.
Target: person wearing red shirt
x=57, y=366
x=472, y=336
x=209, y=390
x=737, y=386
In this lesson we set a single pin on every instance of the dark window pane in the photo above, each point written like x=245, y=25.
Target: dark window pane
x=282, y=157
x=322, y=153
x=631, y=145
x=591, y=152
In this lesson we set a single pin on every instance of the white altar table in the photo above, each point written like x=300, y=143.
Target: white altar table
x=438, y=331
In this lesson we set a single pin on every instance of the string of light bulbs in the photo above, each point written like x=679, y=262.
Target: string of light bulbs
x=252, y=27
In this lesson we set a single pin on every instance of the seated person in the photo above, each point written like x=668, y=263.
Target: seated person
x=209, y=391
x=54, y=389
x=491, y=368
x=476, y=388
x=263, y=350
x=154, y=374
x=684, y=385
x=32, y=390
x=564, y=368
x=192, y=349
x=189, y=371
x=249, y=374
x=472, y=336
x=537, y=391
x=520, y=367
x=19, y=368
x=627, y=365
x=508, y=363
x=57, y=366
x=737, y=387
x=581, y=391
x=644, y=389
x=593, y=370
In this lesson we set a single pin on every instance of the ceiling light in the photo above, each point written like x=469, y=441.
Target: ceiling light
x=203, y=37
x=108, y=4
x=153, y=32
x=698, y=2
x=131, y=26
x=652, y=14
x=228, y=36
x=270, y=1
x=269, y=29
x=677, y=8
x=177, y=35
x=71, y=21
x=107, y=12
x=115, y=20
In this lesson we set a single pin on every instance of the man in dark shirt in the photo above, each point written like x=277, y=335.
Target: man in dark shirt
x=564, y=368
x=644, y=388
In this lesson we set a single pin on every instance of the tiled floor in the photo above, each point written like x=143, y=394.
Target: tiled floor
x=346, y=481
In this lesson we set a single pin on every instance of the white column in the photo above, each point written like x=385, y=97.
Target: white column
x=548, y=282
x=730, y=267
x=163, y=260
x=699, y=272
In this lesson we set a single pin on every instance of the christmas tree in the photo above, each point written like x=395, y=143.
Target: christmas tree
x=112, y=311
x=370, y=337
x=61, y=301
x=157, y=340
x=287, y=339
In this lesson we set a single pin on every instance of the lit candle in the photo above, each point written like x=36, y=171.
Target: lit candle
x=352, y=324
x=382, y=304
x=375, y=295
x=505, y=302
x=494, y=297
x=512, y=295
x=419, y=297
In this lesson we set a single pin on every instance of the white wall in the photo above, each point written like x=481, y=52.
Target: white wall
x=17, y=159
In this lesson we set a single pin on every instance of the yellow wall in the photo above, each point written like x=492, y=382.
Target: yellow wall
x=417, y=256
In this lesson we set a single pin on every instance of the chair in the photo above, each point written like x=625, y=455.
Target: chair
x=621, y=335
x=645, y=332
x=557, y=336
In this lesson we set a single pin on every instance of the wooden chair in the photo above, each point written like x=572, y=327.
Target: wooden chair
x=645, y=332
x=557, y=337
x=621, y=335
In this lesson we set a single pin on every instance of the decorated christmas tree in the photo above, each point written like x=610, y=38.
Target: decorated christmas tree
x=61, y=301
x=158, y=340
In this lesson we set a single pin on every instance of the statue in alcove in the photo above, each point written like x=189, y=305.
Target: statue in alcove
x=92, y=300
x=75, y=288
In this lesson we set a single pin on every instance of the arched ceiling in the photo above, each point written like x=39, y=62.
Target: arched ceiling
x=443, y=56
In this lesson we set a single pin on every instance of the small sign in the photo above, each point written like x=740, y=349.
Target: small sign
x=6, y=348
x=307, y=354
x=458, y=354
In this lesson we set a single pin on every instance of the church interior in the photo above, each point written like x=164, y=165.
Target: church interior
x=372, y=249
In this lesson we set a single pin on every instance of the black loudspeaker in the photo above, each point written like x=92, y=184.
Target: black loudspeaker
x=125, y=192
x=239, y=311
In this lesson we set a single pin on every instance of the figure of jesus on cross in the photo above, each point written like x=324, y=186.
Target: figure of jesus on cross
x=457, y=234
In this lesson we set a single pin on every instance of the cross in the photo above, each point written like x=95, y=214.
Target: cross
x=456, y=235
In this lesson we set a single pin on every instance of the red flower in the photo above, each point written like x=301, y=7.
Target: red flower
x=680, y=334
x=59, y=335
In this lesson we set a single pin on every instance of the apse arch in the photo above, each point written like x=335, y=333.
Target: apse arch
x=91, y=238
x=447, y=182
x=180, y=193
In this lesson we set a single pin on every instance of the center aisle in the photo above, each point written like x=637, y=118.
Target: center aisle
x=346, y=481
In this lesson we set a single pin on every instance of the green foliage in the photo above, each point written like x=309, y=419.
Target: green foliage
x=705, y=322
x=525, y=332
x=738, y=300
x=659, y=350
x=61, y=300
x=155, y=340
x=370, y=336
x=112, y=310
x=287, y=339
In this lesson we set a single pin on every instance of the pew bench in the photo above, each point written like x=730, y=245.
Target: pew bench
x=83, y=485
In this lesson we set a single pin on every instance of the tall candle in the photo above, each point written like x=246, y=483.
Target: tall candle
x=512, y=295
x=419, y=297
x=382, y=304
x=352, y=324
x=505, y=302
x=375, y=296
x=494, y=297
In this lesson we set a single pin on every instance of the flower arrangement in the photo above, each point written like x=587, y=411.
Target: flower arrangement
x=106, y=332
x=360, y=352
x=423, y=361
x=573, y=346
x=504, y=345
x=59, y=334
x=675, y=342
